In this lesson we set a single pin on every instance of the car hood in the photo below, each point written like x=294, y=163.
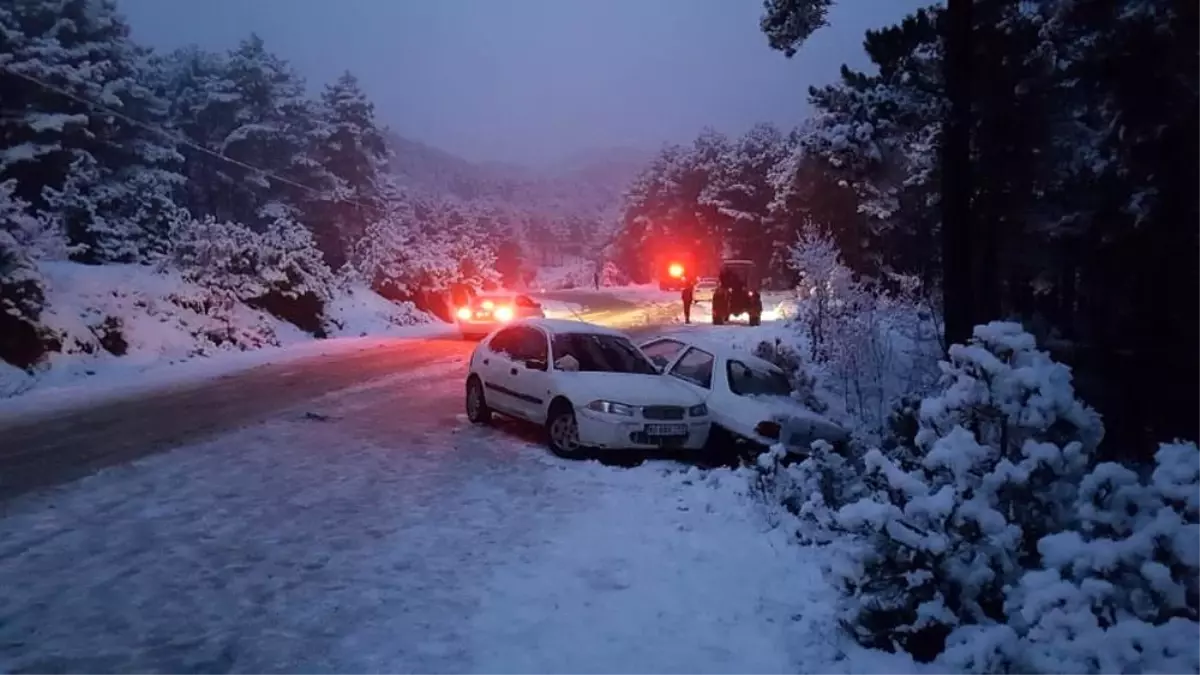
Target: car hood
x=633, y=389
x=800, y=425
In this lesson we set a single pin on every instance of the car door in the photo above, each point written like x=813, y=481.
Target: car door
x=528, y=376
x=494, y=367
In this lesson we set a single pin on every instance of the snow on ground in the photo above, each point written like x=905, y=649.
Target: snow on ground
x=558, y=309
x=389, y=535
x=667, y=571
x=171, y=331
x=357, y=311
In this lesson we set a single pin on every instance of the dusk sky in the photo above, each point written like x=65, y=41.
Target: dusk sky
x=533, y=81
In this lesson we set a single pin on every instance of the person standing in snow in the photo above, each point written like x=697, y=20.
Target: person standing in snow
x=688, y=296
x=596, y=279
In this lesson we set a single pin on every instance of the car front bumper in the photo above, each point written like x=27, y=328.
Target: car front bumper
x=609, y=432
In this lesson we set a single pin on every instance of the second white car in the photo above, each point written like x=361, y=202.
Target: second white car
x=587, y=385
x=749, y=398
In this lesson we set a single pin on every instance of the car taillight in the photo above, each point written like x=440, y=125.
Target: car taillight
x=504, y=313
x=768, y=429
x=486, y=304
x=464, y=313
x=675, y=270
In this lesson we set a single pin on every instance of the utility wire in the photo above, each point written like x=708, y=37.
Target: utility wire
x=178, y=138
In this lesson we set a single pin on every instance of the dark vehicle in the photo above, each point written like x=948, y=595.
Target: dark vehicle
x=737, y=293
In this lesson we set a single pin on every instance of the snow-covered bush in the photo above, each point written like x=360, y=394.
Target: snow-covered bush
x=22, y=289
x=813, y=489
x=800, y=375
x=404, y=258
x=956, y=517
x=22, y=296
x=1116, y=594
x=280, y=271
x=611, y=275
x=875, y=345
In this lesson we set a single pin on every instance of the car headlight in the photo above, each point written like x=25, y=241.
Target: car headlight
x=611, y=407
x=698, y=410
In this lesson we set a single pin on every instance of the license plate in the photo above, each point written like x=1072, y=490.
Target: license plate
x=666, y=429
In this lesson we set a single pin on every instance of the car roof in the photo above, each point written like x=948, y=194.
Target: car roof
x=556, y=326
x=720, y=349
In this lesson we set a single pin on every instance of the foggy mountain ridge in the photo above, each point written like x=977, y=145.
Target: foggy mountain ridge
x=587, y=184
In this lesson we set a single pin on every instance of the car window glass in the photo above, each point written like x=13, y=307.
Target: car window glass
x=533, y=345
x=747, y=381
x=523, y=301
x=696, y=367
x=662, y=351
x=598, y=353
x=505, y=341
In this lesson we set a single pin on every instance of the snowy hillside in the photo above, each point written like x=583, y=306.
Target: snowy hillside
x=115, y=321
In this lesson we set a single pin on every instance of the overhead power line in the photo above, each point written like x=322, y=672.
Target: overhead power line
x=178, y=138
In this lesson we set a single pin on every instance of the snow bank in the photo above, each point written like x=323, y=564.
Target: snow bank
x=357, y=311
x=115, y=324
x=664, y=571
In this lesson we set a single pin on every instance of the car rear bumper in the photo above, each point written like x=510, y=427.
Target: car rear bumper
x=603, y=431
x=479, y=328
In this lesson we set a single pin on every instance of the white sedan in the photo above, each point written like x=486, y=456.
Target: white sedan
x=485, y=313
x=589, y=386
x=748, y=398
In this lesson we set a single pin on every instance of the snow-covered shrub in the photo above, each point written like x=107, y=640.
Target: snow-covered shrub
x=1118, y=593
x=280, y=271
x=611, y=275
x=956, y=517
x=800, y=375
x=875, y=345
x=813, y=489
x=22, y=289
x=22, y=297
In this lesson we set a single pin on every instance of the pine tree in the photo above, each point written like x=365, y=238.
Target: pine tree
x=351, y=147
x=111, y=181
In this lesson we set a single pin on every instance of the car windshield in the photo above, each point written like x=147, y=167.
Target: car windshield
x=596, y=353
x=747, y=381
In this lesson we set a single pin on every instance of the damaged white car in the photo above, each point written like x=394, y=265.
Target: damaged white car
x=589, y=386
x=748, y=398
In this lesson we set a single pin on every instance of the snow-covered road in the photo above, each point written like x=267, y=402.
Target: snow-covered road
x=374, y=530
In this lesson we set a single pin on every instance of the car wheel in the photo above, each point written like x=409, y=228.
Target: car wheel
x=562, y=432
x=755, y=319
x=477, y=408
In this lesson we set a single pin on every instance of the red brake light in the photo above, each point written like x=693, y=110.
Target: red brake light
x=464, y=313
x=675, y=270
x=504, y=313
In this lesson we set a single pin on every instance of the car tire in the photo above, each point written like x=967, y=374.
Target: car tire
x=478, y=411
x=562, y=431
x=755, y=319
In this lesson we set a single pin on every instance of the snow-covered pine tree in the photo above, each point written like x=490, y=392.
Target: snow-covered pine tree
x=110, y=182
x=272, y=128
x=956, y=518
x=350, y=145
